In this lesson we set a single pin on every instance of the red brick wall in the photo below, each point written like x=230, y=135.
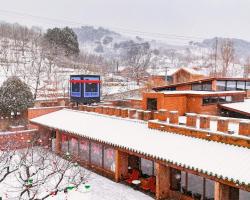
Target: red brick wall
x=36, y=112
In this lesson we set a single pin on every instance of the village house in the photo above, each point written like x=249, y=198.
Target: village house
x=154, y=153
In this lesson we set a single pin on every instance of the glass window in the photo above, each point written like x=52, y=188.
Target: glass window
x=244, y=195
x=209, y=189
x=175, y=181
x=210, y=100
x=73, y=146
x=197, y=86
x=240, y=85
x=109, y=159
x=147, y=167
x=96, y=154
x=231, y=85
x=84, y=150
x=65, y=143
x=228, y=99
x=248, y=85
x=221, y=85
x=222, y=99
x=195, y=184
x=207, y=86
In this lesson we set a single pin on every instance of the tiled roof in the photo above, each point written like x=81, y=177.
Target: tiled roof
x=216, y=159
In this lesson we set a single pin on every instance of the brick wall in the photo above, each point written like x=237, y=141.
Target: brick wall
x=36, y=112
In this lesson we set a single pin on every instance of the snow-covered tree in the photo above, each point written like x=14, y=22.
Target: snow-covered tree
x=15, y=97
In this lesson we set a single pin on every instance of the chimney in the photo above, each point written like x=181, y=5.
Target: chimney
x=124, y=112
x=191, y=119
x=244, y=128
x=132, y=113
x=140, y=114
x=173, y=117
x=146, y=115
x=204, y=122
x=222, y=125
x=162, y=115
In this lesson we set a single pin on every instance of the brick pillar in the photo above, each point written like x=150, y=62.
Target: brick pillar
x=105, y=110
x=155, y=115
x=124, y=112
x=162, y=181
x=191, y=119
x=117, y=112
x=173, y=117
x=132, y=113
x=99, y=109
x=204, y=122
x=121, y=165
x=162, y=115
x=146, y=115
x=244, y=128
x=58, y=142
x=111, y=110
x=81, y=107
x=222, y=125
x=225, y=192
x=140, y=114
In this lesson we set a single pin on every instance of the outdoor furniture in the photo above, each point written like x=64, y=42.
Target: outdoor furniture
x=134, y=176
x=148, y=184
x=136, y=184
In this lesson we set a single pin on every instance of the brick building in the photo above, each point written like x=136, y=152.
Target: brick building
x=181, y=162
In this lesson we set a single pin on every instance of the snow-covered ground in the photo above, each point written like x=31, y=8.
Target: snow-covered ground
x=103, y=189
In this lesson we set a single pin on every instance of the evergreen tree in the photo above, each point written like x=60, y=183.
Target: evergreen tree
x=15, y=96
x=64, y=38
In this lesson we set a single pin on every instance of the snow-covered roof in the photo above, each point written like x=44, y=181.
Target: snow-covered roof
x=212, y=157
x=190, y=70
x=199, y=92
x=239, y=106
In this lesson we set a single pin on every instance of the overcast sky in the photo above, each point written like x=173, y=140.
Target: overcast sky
x=189, y=18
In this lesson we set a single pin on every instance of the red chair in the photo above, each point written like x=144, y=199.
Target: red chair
x=134, y=176
x=148, y=184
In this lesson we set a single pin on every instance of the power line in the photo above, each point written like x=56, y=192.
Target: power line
x=123, y=30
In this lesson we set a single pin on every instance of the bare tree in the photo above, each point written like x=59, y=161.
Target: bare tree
x=247, y=68
x=38, y=173
x=138, y=58
x=227, y=55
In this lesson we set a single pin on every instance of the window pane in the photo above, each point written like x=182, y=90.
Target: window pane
x=222, y=99
x=244, y=195
x=231, y=85
x=65, y=143
x=147, y=166
x=109, y=159
x=175, y=179
x=209, y=188
x=248, y=85
x=196, y=86
x=240, y=85
x=228, y=99
x=84, y=150
x=207, y=86
x=195, y=184
x=221, y=85
x=73, y=146
x=210, y=100
x=96, y=154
